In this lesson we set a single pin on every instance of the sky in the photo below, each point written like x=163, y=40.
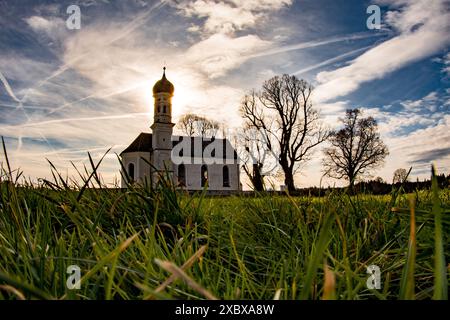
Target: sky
x=64, y=92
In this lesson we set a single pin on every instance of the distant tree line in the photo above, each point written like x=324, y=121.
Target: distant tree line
x=379, y=187
x=375, y=187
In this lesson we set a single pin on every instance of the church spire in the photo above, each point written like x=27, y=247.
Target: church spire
x=163, y=85
x=162, y=94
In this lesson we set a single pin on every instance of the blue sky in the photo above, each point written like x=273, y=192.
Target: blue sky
x=65, y=92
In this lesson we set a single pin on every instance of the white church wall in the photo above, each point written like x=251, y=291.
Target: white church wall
x=141, y=168
x=215, y=176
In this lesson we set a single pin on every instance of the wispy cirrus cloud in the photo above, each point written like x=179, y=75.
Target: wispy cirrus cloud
x=331, y=60
x=51, y=26
x=423, y=28
x=220, y=53
x=429, y=156
x=430, y=102
x=446, y=62
x=229, y=16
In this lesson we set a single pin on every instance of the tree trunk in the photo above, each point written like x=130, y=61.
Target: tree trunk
x=289, y=180
x=255, y=176
x=288, y=174
x=257, y=179
x=351, y=186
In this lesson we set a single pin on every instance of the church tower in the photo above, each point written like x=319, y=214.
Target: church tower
x=162, y=126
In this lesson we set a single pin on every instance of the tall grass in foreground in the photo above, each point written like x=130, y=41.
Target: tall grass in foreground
x=155, y=242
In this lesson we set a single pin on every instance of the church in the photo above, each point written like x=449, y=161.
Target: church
x=192, y=162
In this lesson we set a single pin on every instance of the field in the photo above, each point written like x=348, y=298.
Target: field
x=159, y=243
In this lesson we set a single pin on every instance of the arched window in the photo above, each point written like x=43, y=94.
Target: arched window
x=226, y=176
x=164, y=109
x=159, y=109
x=131, y=171
x=204, y=175
x=182, y=175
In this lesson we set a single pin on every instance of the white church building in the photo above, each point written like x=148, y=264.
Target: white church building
x=192, y=162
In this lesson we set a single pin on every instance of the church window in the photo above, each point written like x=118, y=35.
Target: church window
x=159, y=109
x=164, y=109
x=204, y=175
x=226, y=176
x=182, y=175
x=131, y=171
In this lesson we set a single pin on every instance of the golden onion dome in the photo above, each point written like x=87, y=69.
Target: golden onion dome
x=163, y=85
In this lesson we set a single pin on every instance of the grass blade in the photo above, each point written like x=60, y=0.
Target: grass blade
x=407, y=282
x=440, y=272
x=316, y=256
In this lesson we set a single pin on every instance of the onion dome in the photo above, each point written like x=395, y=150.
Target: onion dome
x=163, y=85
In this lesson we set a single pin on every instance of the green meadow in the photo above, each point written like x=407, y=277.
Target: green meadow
x=160, y=243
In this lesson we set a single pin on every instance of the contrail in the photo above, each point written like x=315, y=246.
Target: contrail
x=329, y=61
x=312, y=44
x=14, y=106
x=97, y=95
x=8, y=88
x=83, y=150
x=20, y=106
x=48, y=122
x=299, y=46
x=10, y=92
x=131, y=26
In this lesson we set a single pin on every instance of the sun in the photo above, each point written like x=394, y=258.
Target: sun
x=189, y=95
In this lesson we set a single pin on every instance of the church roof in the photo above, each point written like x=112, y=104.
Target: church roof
x=143, y=143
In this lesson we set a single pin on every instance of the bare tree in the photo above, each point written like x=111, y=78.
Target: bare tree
x=187, y=124
x=282, y=111
x=400, y=175
x=355, y=149
x=195, y=125
x=379, y=180
x=256, y=160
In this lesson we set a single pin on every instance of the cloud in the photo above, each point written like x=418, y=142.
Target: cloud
x=423, y=28
x=330, y=61
x=314, y=43
x=8, y=88
x=38, y=23
x=430, y=155
x=429, y=102
x=52, y=27
x=413, y=139
x=221, y=53
x=424, y=146
x=52, y=122
x=446, y=62
x=229, y=16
